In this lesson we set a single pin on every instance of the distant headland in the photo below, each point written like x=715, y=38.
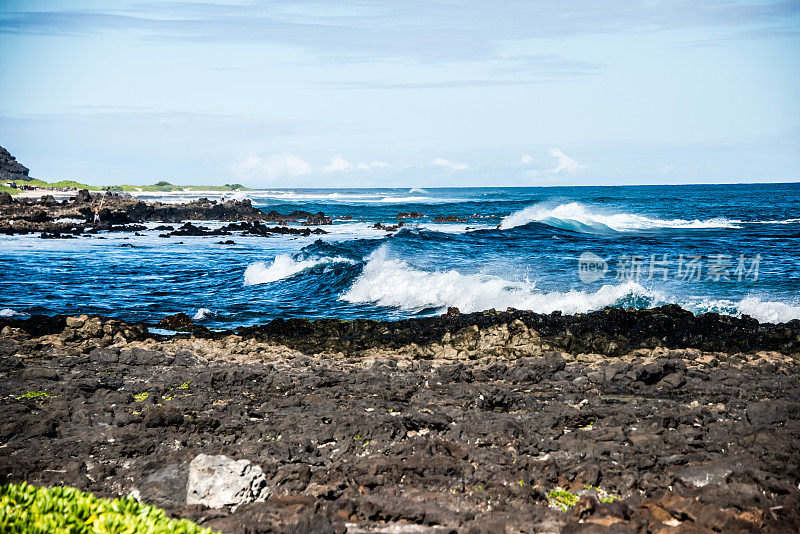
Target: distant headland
x=15, y=180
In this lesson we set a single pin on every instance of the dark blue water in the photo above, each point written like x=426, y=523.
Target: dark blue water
x=730, y=249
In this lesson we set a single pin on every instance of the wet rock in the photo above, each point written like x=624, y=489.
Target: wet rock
x=389, y=228
x=317, y=219
x=179, y=321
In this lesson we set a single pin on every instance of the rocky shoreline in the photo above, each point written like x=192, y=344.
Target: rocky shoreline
x=74, y=216
x=652, y=420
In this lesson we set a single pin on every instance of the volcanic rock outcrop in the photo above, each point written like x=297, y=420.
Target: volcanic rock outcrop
x=613, y=421
x=10, y=168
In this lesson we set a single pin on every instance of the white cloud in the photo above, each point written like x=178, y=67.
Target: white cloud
x=565, y=163
x=275, y=166
x=447, y=164
x=372, y=165
x=339, y=164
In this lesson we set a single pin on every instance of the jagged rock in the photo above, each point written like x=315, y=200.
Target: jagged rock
x=390, y=228
x=176, y=322
x=166, y=487
x=217, y=481
x=83, y=197
x=317, y=219
x=10, y=168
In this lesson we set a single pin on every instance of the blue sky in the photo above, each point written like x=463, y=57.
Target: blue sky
x=413, y=93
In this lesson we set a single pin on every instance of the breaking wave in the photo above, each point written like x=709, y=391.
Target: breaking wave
x=761, y=310
x=283, y=266
x=392, y=282
x=202, y=313
x=579, y=217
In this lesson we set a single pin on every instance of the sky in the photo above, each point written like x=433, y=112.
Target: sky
x=418, y=93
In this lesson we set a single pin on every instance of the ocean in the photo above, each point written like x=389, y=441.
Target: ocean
x=730, y=249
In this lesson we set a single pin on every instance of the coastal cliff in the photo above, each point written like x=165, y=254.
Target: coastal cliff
x=10, y=168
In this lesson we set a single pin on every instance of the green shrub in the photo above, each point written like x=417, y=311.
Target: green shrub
x=30, y=509
x=562, y=499
x=34, y=395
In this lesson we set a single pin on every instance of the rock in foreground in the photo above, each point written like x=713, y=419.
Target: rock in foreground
x=477, y=423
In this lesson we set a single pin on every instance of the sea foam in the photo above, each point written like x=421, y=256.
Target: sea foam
x=8, y=312
x=392, y=282
x=580, y=217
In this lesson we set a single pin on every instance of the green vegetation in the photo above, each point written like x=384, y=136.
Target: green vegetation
x=161, y=187
x=30, y=509
x=140, y=397
x=9, y=190
x=185, y=385
x=34, y=395
x=167, y=187
x=562, y=499
x=602, y=494
x=76, y=185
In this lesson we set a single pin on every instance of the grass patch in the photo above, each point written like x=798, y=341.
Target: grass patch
x=34, y=395
x=160, y=187
x=562, y=499
x=30, y=509
x=76, y=185
x=10, y=190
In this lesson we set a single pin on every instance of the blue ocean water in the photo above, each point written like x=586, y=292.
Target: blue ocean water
x=730, y=249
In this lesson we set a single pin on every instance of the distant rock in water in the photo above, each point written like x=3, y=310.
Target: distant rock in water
x=10, y=168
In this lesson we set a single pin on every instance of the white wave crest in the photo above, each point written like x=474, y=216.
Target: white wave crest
x=392, y=282
x=402, y=200
x=8, y=312
x=767, y=311
x=202, y=313
x=283, y=266
x=580, y=217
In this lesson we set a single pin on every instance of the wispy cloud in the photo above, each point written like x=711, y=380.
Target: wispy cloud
x=340, y=164
x=423, y=30
x=368, y=166
x=564, y=164
x=447, y=164
x=255, y=168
